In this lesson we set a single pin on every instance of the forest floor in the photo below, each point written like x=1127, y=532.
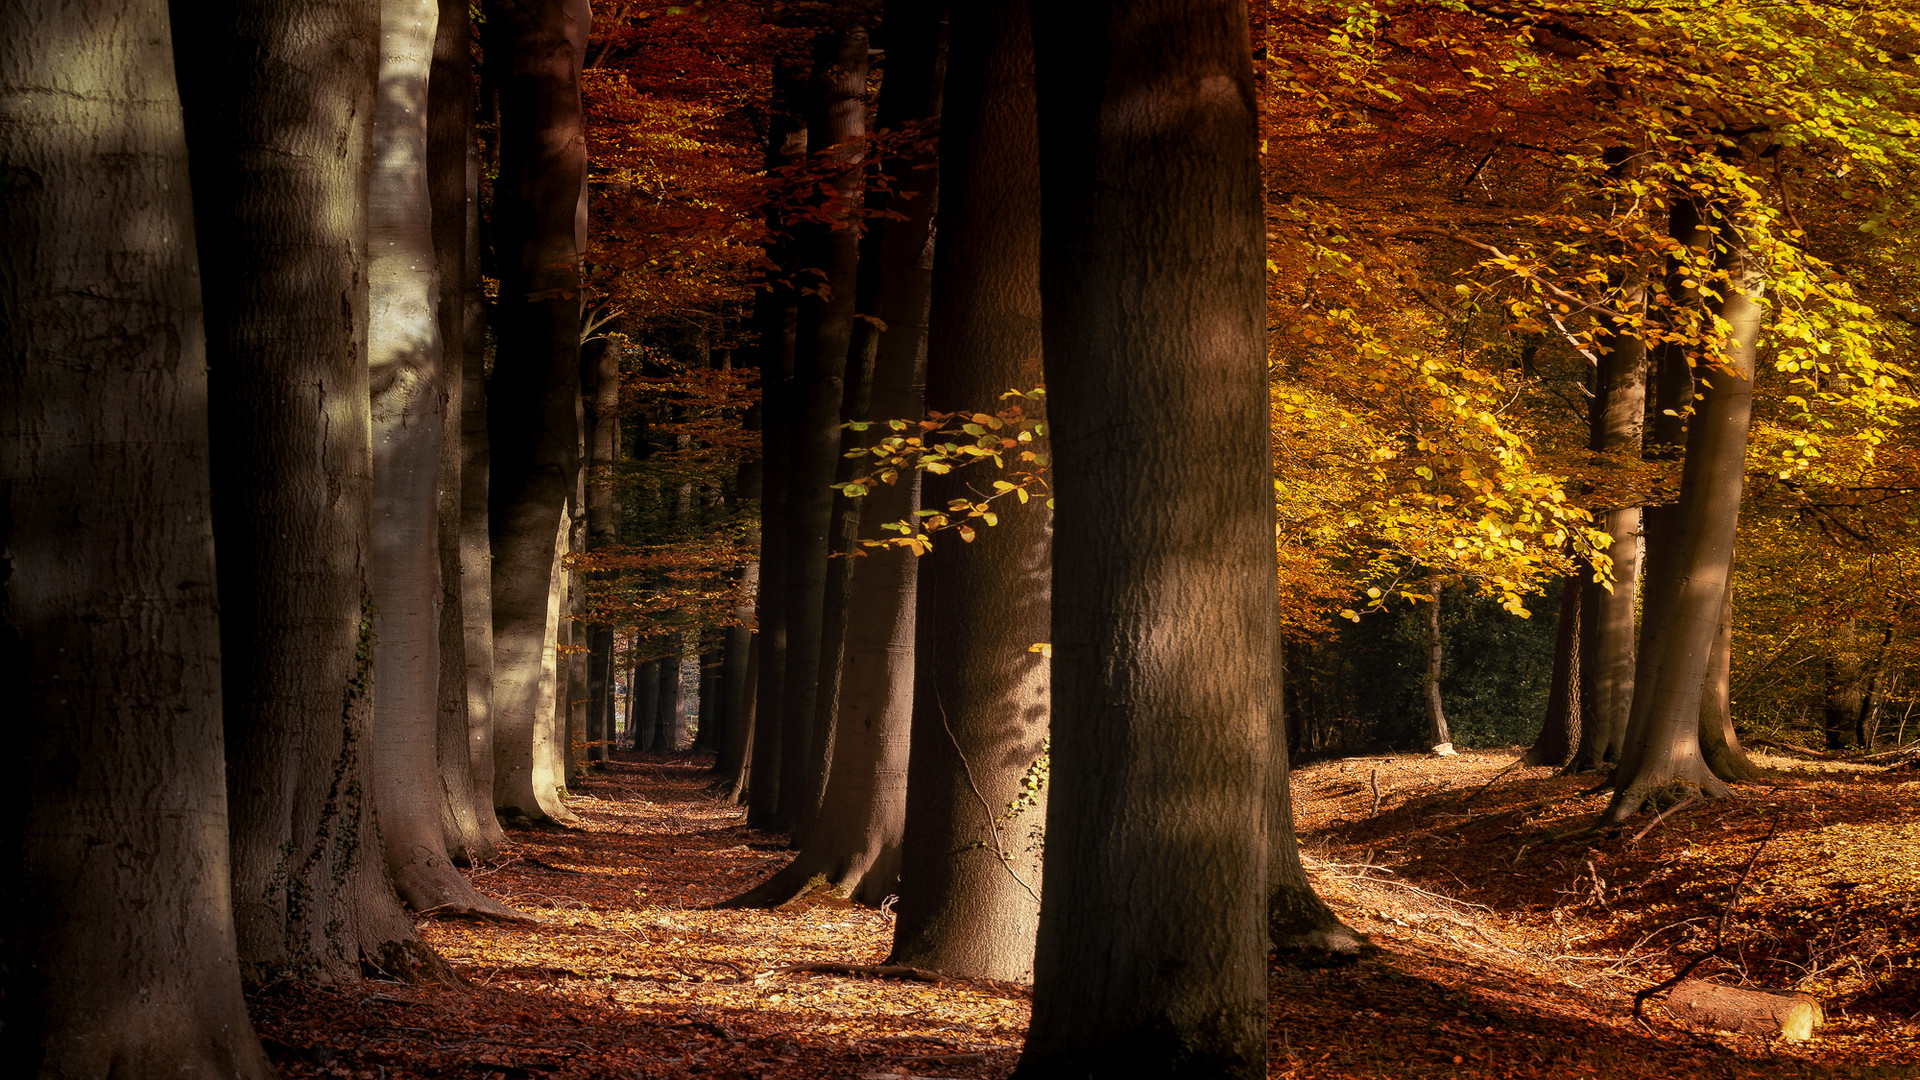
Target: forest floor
x=1511, y=942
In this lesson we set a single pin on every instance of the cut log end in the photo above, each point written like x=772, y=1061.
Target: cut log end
x=1782, y=1014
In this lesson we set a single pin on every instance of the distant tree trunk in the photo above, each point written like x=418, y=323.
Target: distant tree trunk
x=406, y=379
x=1869, y=728
x=970, y=877
x=1439, y=740
x=646, y=703
x=778, y=318
x=116, y=935
x=1663, y=742
x=287, y=398
x=673, y=703
x=472, y=830
x=831, y=251
x=1844, y=690
x=603, y=529
x=854, y=844
x=1718, y=743
x=707, y=737
x=1560, y=729
x=534, y=49
x=1152, y=951
x=571, y=719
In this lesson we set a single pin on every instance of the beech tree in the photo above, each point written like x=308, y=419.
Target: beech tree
x=277, y=133
x=1151, y=956
x=118, y=953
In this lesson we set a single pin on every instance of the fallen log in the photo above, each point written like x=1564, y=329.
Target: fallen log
x=1784, y=1014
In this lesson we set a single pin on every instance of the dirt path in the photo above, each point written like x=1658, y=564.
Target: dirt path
x=1492, y=965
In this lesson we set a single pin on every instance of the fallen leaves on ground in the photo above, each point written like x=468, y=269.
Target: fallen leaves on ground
x=1511, y=939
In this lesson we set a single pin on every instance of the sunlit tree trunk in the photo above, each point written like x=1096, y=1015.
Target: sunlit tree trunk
x=1662, y=748
x=116, y=931
x=1719, y=745
x=281, y=211
x=970, y=878
x=534, y=49
x=1438, y=738
x=1151, y=959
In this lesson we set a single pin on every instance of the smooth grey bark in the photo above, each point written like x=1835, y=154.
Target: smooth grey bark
x=853, y=847
x=1662, y=749
x=1151, y=957
x=469, y=824
x=672, y=712
x=534, y=50
x=279, y=138
x=1719, y=744
x=970, y=873
x=406, y=378
x=602, y=398
x=1439, y=740
x=830, y=252
x=117, y=947
x=1560, y=728
x=571, y=719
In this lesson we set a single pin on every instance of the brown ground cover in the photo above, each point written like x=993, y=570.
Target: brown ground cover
x=1511, y=938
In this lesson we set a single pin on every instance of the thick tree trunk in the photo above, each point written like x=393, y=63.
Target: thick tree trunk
x=970, y=878
x=831, y=252
x=854, y=844
x=116, y=934
x=646, y=704
x=673, y=702
x=534, y=49
x=471, y=829
x=406, y=379
x=1152, y=951
x=1560, y=728
x=736, y=690
x=1438, y=738
x=1719, y=745
x=1663, y=742
x=292, y=477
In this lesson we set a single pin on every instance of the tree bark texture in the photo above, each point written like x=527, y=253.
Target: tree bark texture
x=603, y=528
x=970, y=876
x=1151, y=959
x=279, y=135
x=830, y=252
x=646, y=704
x=1438, y=738
x=1663, y=741
x=571, y=719
x=534, y=50
x=1719, y=745
x=117, y=950
x=1560, y=728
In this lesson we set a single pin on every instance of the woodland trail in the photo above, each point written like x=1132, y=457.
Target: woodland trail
x=1507, y=949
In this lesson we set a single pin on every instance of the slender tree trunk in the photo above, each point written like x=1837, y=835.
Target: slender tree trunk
x=1718, y=743
x=831, y=248
x=287, y=365
x=1439, y=740
x=673, y=703
x=406, y=380
x=646, y=703
x=1560, y=729
x=854, y=844
x=1844, y=679
x=1152, y=950
x=1663, y=741
x=534, y=48
x=116, y=933
x=970, y=876
x=571, y=719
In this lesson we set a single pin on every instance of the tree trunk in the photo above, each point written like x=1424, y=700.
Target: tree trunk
x=1560, y=729
x=854, y=844
x=571, y=718
x=646, y=704
x=1663, y=741
x=1152, y=951
x=533, y=50
x=1718, y=743
x=673, y=704
x=831, y=251
x=970, y=878
x=287, y=365
x=471, y=829
x=406, y=378
x=1844, y=692
x=1439, y=740
x=116, y=934
x=603, y=530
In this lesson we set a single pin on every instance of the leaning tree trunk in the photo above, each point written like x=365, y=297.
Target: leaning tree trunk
x=970, y=879
x=406, y=377
x=467, y=817
x=534, y=50
x=278, y=133
x=831, y=247
x=1152, y=951
x=1663, y=736
x=1719, y=745
x=1560, y=728
x=116, y=934
x=854, y=843
x=1439, y=740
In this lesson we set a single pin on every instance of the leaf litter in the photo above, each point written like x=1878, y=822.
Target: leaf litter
x=1512, y=940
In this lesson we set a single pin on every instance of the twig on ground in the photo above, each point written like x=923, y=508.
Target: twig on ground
x=1468, y=801
x=1373, y=781
x=1719, y=934
x=1664, y=815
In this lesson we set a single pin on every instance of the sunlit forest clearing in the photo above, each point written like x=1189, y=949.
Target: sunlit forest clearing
x=1025, y=539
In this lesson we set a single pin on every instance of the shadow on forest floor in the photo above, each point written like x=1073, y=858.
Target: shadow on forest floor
x=1509, y=949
